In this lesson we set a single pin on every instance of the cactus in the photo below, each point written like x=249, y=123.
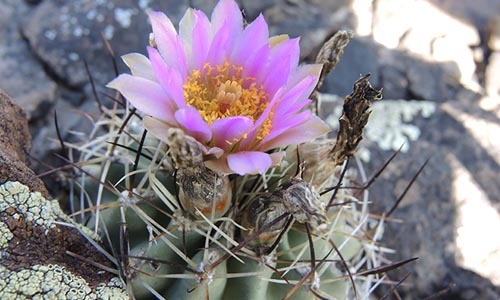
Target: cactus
x=179, y=229
x=280, y=236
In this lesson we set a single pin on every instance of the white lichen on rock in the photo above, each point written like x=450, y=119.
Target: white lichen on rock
x=390, y=122
x=53, y=282
x=5, y=236
x=124, y=16
x=390, y=126
x=27, y=273
x=35, y=208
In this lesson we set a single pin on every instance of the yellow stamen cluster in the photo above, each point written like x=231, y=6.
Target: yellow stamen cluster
x=220, y=91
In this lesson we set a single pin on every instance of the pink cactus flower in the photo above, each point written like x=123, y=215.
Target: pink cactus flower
x=239, y=92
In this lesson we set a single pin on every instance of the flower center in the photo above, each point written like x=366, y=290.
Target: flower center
x=219, y=91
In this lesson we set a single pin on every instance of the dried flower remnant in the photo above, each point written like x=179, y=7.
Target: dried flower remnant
x=199, y=187
x=266, y=217
x=329, y=56
x=354, y=118
x=303, y=202
x=239, y=92
x=267, y=214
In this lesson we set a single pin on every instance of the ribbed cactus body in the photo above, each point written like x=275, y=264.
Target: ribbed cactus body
x=259, y=247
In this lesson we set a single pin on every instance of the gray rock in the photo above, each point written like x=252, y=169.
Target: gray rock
x=63, y=34
x=23, y=77
x=430, y=81
x=429, y=210
x=312, y=20
x=440, y=38
x=401, y=75
x=394, y=82
x=492, y=75
x=477, y=13
x=15, y=144
x=493, y=34
x=361, y=56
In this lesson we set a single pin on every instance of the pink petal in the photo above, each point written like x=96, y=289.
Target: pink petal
x=219, y=165
x=276, y=157
x=139, y=65
x=247, y=142
x=227, y=25
x=299, y=88
x=157, y=128
x=308, y=131
x=270, y=107
x=168, y=42
x=146, y=95
x=190, y=119
x=216, y=152
x=304, y=71
x=228, y=131
x=169, y=78
x=256, y=64
x=283, y=110
x=254, y=36
x=195, y=32
x=289, y=46
x=227, y=13
x=295, y=98
x=186, y=25
x=284, y=58
x=220, y=46
x=249, y=162
x=284, y=123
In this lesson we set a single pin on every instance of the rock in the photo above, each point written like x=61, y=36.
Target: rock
x=361, y=56
x=312, y=20
x=394, y=82
x=23, y=77
x=492, y=75
x=44, y=253
x=493, y=34
x=429, y=211
x=430, y=81
x=469, y=286
x=15, y=144
x=441, y=37
x=476, y=13
x=64, y=34
x=425, y=80
x=452, y=48
x=398, y=24
x=74, y=124
x=401, y=74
